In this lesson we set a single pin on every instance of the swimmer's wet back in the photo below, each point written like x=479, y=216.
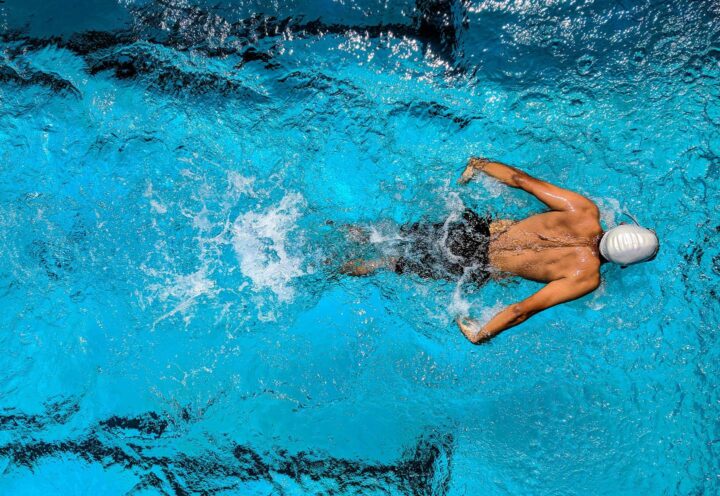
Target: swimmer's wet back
x=452, y=250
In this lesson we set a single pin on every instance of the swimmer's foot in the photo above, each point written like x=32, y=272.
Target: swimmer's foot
x=356, y=267
x=360, y=267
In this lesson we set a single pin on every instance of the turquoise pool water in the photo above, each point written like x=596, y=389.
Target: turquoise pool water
x=172, y=179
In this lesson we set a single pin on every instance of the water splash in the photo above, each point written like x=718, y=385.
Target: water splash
x=267, y=244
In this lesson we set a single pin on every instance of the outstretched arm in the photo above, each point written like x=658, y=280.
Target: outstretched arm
x=553, y=196
x=552, y=294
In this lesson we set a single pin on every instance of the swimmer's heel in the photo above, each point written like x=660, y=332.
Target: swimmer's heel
x=359, y=267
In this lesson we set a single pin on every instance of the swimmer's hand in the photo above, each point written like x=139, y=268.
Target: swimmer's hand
x=472, y=329
x=474, y=164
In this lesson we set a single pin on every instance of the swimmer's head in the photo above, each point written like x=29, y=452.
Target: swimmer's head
x=629, y=244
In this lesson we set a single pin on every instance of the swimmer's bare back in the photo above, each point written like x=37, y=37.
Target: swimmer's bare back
x=559, y=247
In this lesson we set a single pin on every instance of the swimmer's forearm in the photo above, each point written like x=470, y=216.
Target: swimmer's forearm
x=504, y=173
x=507, y=318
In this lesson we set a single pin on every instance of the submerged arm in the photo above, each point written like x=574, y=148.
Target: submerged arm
x=552, y=294
x=553, y=196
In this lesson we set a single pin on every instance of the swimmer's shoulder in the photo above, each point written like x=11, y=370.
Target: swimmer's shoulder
x=587, y=270
x=585, y=222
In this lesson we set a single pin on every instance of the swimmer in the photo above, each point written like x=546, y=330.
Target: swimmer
x=563, y=248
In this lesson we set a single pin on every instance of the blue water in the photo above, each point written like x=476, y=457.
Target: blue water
x=173, y=180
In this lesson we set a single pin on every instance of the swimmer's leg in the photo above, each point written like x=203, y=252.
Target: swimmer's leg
x=360, y=267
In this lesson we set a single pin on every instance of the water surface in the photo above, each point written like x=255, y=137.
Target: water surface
x=172, y=180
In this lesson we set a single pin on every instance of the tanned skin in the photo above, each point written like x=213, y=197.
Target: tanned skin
x=559, y=248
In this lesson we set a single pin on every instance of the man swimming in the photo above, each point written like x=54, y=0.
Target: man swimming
x=564, y=248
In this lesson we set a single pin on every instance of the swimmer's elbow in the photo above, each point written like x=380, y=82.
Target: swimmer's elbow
x=519, y=313
x=518, y=179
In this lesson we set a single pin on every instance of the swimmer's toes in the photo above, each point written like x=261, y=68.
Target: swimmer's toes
x=356, y=267
x=348, y=267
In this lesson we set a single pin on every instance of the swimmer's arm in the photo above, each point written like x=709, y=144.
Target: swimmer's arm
x=554, y=293
x=553, y=196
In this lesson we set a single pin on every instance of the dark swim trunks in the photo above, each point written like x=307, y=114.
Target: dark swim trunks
x=440, y=251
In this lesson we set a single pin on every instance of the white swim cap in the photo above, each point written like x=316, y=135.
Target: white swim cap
x=628, y=244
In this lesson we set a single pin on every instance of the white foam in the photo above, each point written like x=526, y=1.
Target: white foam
x=488, y=313
x=459, y=306
x=493, y=187
x=383, y=234
x=201, y=220
x=597, y=302
x=454, y=203
x=185, y=289
x=158, y=207
x=241, y=185
x=261, y=241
